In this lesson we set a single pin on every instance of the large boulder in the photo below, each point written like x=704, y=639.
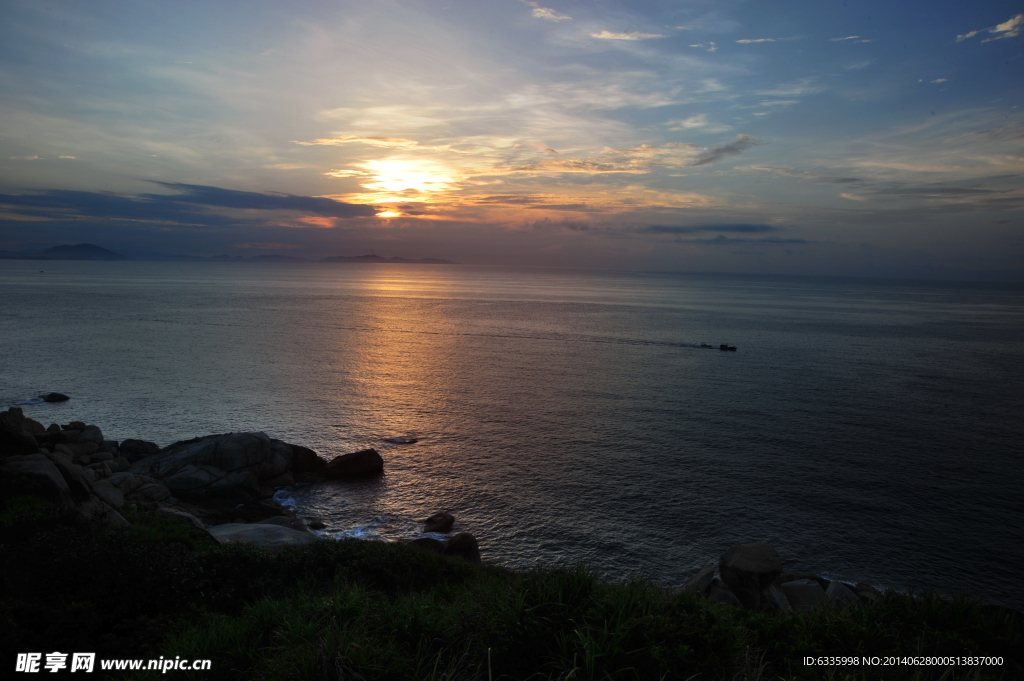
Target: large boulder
x=109, y=493
x=699, y=583
x=136, y=450
x=748, y=569
x=840, y=595
x=97, y=510
x=439, y=522
x=271, y=537
x=141, y=490
x=78, y=482
x=233, y=464
x=285, y=521
x=464, y=546
x=305, y=460
x=38, y=476
x=355, y=465
x=720, y=592
x=803, y=594
x=16, y=434
x=54, y=397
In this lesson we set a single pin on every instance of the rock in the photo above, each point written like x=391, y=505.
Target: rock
x=141, y=490
x=109, y=493
x=109, y=446
x=40, y=478
x=700, y=582
x=78, y=482
x=15, y=433
x=748, y=569
x=439, y=522
x=464, y=546
x=92, y=434
x=283, y=480
x=284, y=521
x=75, y=425
x=357, y=464
x=794, y=576
x=180, y=515
x=271, y=537
x=774, y=597
x=196, y=482
x=866, y=592
x=428, y=544
x=803, y=594
x=76, y=449
x=231, y=453
x=100, y=456
x=316, y=525
x=136, y=450
x=840, y=595
x=54, y=397
x=720, y=592
x=119, y=464
x=96, y=509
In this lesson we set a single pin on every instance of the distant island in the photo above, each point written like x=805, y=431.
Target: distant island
x=94, y=252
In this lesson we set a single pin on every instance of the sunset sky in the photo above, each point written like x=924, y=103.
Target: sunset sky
x=825, y=137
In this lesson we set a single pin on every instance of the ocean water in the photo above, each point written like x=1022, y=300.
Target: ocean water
x=869, y=430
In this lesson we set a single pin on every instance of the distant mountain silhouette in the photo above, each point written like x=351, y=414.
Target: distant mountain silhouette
x=77, y=252
x=81, y=252
x=276, y=256
x=377, y=258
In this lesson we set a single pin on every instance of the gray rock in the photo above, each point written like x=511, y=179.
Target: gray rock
x=119, y=464
x=794, y=576
x=720, y=592
x=141, y=490
x=840, y=595
x=96, y=509
x=91, y=434
x=180, y=515
x=109, y=493
x=76, y=449
x=285, y=521
x=55, y=397
x=464, y=546
x=78, y=482
x=357, y=464
x=305, y=460
x=136, y=450
x=748, y=569
x=272, y=537
x=316, y=524
x=101, y=456
x=283, y=480
x=231, y=453
x=866, y=592
x=439, y=522
x=15, y=434
x=41, y=478
x=777, y=600
x=699, y=583
x=803, y=594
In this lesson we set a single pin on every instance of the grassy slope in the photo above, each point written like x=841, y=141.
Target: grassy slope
x=361, y=609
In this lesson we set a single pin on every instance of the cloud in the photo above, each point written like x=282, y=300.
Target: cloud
x=747, y=41
x=941, y=80
x=699, y=121
x=809, y=176
x=635, y=35
x=190, y=205
x=1008, y=29
x=354, y=139
x=266, y=246
x=743, y=228
x=710, y=45
x=804, y=86
x=546, y=13
x=66, y=157
x=24, y=158
x=742, y=143
x=849, y=37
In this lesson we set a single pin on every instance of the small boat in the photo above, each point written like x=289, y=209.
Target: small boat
x=726, y=346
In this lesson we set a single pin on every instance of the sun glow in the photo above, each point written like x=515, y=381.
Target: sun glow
x=405, y=179
x=389, y=214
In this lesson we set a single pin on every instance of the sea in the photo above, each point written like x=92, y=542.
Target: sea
x=869, y=430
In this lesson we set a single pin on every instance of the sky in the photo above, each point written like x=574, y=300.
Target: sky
x=789, y=137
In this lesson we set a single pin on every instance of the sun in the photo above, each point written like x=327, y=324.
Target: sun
x=406, y=179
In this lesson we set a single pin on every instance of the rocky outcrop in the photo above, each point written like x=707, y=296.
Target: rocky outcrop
x=39, y=477
x=360, y=464
x=17, y=433
x=271, y=537
x=752, y=578
x=136, y=450
x=748, y=569
x=462, y=545
x=439, y=522
x=54, y=397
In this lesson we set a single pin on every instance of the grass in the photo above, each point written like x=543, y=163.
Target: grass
x=365, y=610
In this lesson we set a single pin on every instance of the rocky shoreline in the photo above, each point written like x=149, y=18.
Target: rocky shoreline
x=222, y=484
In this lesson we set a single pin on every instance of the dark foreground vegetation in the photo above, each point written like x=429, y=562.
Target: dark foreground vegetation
x=365, y=610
